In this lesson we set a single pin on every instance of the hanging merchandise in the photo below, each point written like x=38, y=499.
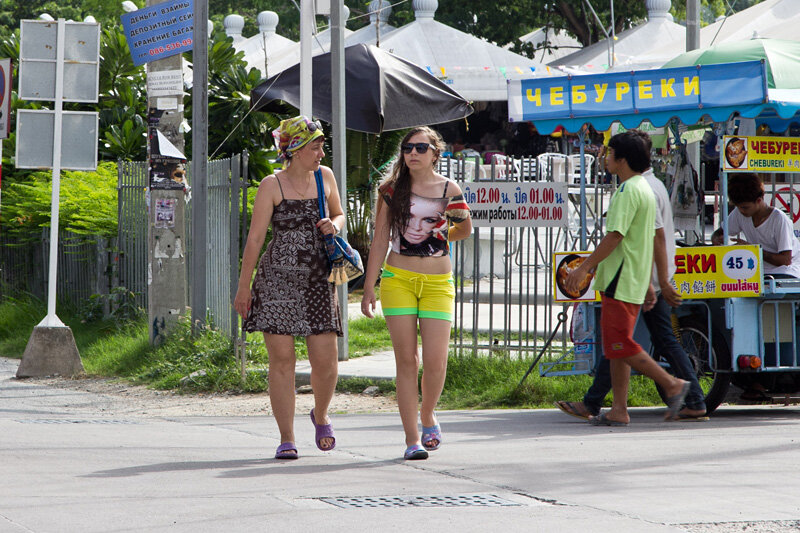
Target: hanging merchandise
x=686, y=196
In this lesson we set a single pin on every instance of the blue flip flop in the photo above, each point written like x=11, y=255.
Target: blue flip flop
x=414, y=453
x=431, y=434
x=287, y=450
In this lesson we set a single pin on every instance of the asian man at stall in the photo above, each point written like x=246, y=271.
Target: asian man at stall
x=761, y=224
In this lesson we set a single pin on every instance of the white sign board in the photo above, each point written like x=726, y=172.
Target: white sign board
x=35, y=130
x=517, y=204
x=164, y=83
x=37, y=69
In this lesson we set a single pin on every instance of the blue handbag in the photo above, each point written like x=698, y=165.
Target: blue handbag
x=344, y=260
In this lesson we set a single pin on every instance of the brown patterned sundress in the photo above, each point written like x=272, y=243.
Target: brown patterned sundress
x=291, y=294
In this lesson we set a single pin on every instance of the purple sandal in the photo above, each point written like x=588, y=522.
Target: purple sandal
x=286, y=450
x=323, y=431
x=431, y=434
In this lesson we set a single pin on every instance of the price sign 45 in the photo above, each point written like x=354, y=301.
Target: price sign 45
x=739, y=264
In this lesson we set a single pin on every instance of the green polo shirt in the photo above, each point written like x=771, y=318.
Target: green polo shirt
x=625, y=274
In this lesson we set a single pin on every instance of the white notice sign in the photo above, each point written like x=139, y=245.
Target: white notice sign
x=164, y=83
x=517, y=204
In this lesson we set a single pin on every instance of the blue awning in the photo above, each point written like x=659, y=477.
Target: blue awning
x=689, y=94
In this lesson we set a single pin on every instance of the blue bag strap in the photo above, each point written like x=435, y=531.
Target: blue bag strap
x=320, y=193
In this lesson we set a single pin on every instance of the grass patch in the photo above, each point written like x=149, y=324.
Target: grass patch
x=206, y=361
x=356, y=295
x=492, y=382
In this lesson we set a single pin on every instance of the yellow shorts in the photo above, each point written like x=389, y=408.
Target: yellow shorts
x=404, y=292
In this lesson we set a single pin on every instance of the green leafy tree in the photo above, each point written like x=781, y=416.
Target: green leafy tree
x=123, y=100
x=88, y=203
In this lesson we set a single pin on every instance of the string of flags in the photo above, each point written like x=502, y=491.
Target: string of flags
x=442, y=72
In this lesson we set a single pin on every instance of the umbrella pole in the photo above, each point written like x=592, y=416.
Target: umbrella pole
x=339, y=146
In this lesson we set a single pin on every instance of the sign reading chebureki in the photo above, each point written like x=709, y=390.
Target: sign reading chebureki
x=760, y=154
x=718, y=271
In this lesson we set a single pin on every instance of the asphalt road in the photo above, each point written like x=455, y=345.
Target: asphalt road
x=68, y=467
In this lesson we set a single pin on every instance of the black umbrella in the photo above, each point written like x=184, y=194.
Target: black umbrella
x=383, y=92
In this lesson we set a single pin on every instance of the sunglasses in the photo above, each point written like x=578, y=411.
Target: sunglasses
x=313, y=126
x=421, y=148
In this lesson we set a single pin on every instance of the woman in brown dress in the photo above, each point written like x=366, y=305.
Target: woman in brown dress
x=291, y=295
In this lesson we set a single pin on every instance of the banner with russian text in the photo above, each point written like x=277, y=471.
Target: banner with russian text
x=760, y=154
x=646, y=91
x=718, y=271
x=159, y=31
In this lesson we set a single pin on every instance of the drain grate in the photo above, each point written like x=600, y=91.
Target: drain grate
x=460, y=500
x=74, y=421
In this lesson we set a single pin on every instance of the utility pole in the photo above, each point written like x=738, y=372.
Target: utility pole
x=307, y=27
x=199, y=161
x=167, y=187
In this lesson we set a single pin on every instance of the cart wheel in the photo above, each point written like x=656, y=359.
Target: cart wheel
x=715, y=378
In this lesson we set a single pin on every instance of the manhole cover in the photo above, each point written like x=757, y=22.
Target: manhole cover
x=74, y=421
x=461, y=500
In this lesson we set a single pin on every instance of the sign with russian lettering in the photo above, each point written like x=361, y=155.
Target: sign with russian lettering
x=517, y=204
x=647, y=91
x=760, y=154
x=718, y=271
x=564, y=263
x=159, y=31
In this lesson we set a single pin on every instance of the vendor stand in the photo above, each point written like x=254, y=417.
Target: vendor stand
x=735, y=325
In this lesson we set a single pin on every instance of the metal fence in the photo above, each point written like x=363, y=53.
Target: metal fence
x=82, y=266
x=504, y=293
x=224, y=225
x=223, y=231
x=89, y=264
x=131, y=255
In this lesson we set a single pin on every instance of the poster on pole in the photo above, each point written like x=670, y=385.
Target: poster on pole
x=159, y=31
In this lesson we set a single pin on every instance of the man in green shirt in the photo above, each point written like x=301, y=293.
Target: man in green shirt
x=624, y=263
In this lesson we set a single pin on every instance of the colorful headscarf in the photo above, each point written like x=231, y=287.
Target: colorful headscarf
x=293, y=134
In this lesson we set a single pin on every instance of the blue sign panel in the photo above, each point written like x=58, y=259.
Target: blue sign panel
x=624, y=93
x=159, y=31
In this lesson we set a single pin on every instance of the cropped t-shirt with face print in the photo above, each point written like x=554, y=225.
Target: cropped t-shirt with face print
x=425, y=235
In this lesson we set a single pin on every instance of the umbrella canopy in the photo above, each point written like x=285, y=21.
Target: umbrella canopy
x=383, y=92
x=629, y=45
x=782, y=59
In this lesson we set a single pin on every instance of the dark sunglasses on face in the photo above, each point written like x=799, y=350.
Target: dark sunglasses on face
x=421, y=148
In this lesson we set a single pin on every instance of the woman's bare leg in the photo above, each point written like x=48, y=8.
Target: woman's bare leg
x=435, y=335
x=281, y=382
x=403, y=330
x=323, y=356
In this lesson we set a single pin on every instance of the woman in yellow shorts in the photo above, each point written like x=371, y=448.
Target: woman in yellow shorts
x=418, y=213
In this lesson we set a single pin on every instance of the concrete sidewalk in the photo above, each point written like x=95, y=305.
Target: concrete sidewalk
x=68, y=468
x=378, y=366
